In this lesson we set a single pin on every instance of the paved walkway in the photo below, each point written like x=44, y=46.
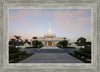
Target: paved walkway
x=49, y=50
x=50, y=47
x=51, y=58
x=49, y=55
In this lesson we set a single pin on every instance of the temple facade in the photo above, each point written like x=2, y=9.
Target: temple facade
x=49, y=39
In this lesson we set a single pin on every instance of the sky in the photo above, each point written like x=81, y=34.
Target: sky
x=69, y=23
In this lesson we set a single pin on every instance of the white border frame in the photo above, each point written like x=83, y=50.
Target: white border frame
x=92, y=65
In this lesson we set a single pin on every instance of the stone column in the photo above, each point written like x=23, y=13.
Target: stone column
x=54, y=43
x=47, y=43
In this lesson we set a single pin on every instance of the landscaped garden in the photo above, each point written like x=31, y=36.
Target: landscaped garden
x=15, y=55
x=85, y=53
x=64, y=45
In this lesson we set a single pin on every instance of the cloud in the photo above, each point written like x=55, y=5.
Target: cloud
x=36, y=12
x=20, y=15
x=82, y=19
x=68, y=21
x=62, y=14
x=72, y=21
x=31, y=23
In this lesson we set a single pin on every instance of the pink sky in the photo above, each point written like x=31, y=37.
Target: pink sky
x=71, y=23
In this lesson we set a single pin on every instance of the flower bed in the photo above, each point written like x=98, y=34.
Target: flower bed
x=85, y=57
x=16, y=57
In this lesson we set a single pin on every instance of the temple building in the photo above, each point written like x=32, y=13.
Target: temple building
x=49, y=39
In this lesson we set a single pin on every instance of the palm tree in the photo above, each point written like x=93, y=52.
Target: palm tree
x=26, y=41
x=17, y=38
x=12, y=42
x=21, y=42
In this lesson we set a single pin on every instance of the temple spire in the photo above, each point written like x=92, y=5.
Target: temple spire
x=50, y=31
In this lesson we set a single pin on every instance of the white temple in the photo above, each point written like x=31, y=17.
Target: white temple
x=49, y=39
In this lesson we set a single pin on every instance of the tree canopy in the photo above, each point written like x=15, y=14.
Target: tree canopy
x=62, y=44
x=81, y=41
x=34, y=37
x=16, y=41
x=37, y=44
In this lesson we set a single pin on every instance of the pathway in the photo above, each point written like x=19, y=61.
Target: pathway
x=49, y=50
x=50, y=55
x=51, y=58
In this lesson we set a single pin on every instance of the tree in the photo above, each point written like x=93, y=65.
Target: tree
x=26, y=41
x=37, y=44
x=64, y=38
x=81, y=41
x=62, y=44
x=12, y=42
x=21, y=42
x=17, y=38
x=34, y=37
x=88, y=43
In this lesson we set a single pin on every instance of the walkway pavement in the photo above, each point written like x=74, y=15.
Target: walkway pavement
x=50, y=55
x=49, y=50
x=51, y=58
x=50, y=47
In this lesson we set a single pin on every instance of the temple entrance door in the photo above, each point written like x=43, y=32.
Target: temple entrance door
x=49, y=43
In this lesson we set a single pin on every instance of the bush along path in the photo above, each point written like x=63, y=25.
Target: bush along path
x=15, y=55
x=83, y=55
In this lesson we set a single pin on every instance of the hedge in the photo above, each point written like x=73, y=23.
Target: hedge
x=86, y=55
x=14, y=55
